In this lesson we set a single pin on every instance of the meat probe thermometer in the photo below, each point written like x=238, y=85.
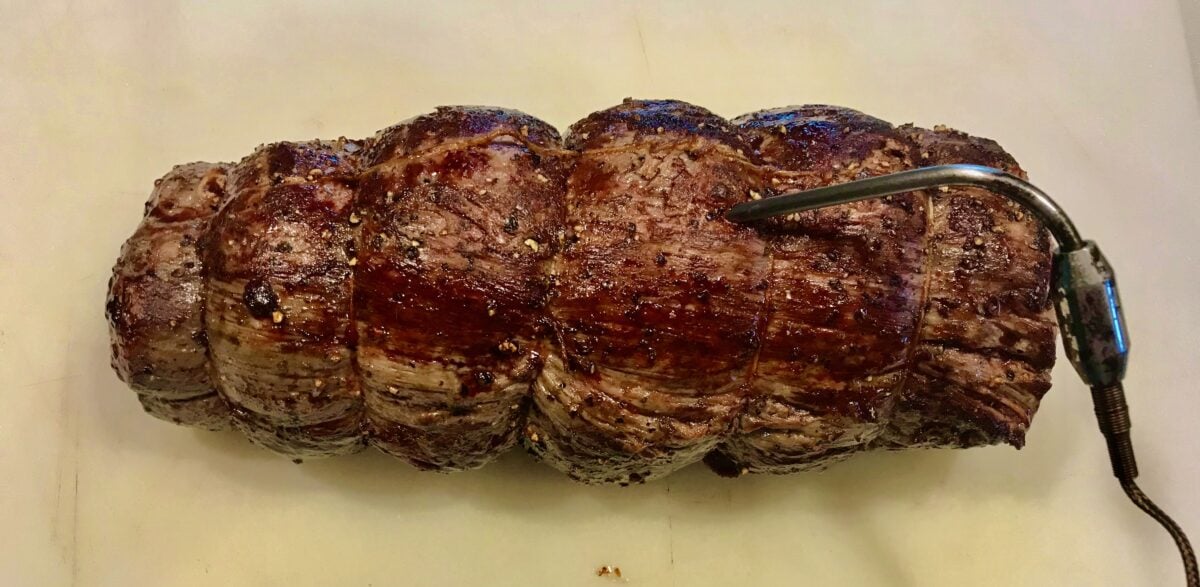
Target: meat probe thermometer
x=1085, y=296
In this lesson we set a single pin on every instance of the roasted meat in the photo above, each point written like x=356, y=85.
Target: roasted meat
x=468, y=279
x=460, y=212
x=156, y=299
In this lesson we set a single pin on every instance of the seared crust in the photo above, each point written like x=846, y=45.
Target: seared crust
x=155, y=304
x=461, y=212
x=811, y=139
x=992, y=295
x=412, y=291
x=649, y=122
x=986, y=342
x=843, y=297
x=657, y=300
x=451, y=125
x=279, y=304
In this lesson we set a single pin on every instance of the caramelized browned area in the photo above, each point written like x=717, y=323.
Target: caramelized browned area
x=155, y=304
x=461, y=210
x=658, y=298
x=280, y=286
x=986, y=343
x=843, y=298
x=466, y=280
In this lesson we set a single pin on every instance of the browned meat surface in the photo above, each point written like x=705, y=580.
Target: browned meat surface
x=155, y=304
x=279, y=291
x=461, y=211
x=466, y=280
x=982, y=358
x=657, y=297
x=843, y=297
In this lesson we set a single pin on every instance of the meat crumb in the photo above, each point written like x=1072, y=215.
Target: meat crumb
x=609, y=570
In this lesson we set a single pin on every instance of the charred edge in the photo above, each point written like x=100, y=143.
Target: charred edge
x=427, y=133
x=648, y=118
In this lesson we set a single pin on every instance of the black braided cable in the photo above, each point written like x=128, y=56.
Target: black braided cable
x=1112, y=413
x=1181, y=540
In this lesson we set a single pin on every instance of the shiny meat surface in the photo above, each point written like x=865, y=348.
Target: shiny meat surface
x=657, y=299
x=456, y=233
x=155, y=304
x=843, y=298
x=279, y=291
x=468, y=280
x=982, y=358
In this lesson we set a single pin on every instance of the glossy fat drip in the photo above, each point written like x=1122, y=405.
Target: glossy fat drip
x=281, y=258
x=156, y=296
x=986, y=343
x=461, y=211
x=843, y=297
x=657, y=297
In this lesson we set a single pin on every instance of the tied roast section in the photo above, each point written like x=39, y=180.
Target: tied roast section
x=468, y=280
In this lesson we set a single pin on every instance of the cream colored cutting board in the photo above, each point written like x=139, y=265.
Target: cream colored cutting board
x=99, y=98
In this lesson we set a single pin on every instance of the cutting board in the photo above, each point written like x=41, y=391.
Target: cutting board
x=97, y=99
